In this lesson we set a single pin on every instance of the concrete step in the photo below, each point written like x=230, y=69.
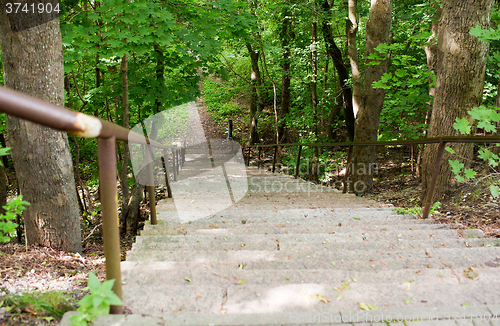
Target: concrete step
x=280, y=228
x=439, y=234
x=479, y=315
x=319, y=245
x=166, y=299
x=174, y=274
x=325, y=260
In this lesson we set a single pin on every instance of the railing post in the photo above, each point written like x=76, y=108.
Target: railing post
x=164, y=160
x=174, y=168
x=347, y=170
x=274, y=158
x=110, y=232
x=297, y=168
x=258, y=164
x=432, y=184
x=151, y=187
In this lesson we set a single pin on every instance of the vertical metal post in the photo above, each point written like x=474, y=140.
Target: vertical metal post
x=258, y=165
x=164, y=160
x=274, y=158
x=110, y=232
x=297, y=168
x=347, y=170
x=432, y=184
x=248, y=157
x=230, y=129
x=178, y=160
x=151, y=186
x=174, y=168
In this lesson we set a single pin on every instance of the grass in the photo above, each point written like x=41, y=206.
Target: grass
x=45, y=305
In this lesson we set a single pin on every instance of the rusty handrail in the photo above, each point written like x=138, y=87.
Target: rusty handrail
x=44, y=113
x=435, y=140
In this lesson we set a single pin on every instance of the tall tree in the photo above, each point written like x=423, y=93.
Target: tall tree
x=33, y=64
x=334, y=52
x=286, y=36
x=254, y=95
x=372, y=99
x=461, y=64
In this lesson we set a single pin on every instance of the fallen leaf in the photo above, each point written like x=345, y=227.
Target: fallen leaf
x=181, y=229
x=407, y=301
x=179, y=310
x=281, y=226
x=372, y=307
x=198, y=296
x=240, y=266
x=187, y=279
x=28, y=310
x=240, y=282
x=469, y=272
x=363, y=306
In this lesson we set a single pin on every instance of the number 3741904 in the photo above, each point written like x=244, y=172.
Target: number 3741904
x=40, y=8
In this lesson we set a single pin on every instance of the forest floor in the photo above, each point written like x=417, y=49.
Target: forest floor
x=24, y=269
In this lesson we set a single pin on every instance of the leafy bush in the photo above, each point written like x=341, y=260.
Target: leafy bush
x=484, y=118
x=14, y=207
x=97, y=303
x=417, y=210
x=48, y=305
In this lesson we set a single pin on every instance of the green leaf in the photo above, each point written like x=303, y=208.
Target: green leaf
x=462, y=125
x=470, y=174
x=450, y=150
x=93, y=282
x=456, y=166
x=363, y=306
x=495, y=190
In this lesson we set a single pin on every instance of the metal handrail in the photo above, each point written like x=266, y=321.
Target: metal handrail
x=44, y=113
x=434, y=140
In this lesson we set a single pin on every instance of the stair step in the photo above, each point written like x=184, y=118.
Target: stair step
x=166, y=299
x=320, y=244
x=174, y=274
x=439, y=234
x=281, y=228
x=325, y=260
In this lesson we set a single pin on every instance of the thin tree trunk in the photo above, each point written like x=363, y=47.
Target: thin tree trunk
x=352, y=30
x=126, y=151
x=314, y=94
x=461, y=65
x=254, y=77
x=336, y=55
x=33, y=64
x=286, y=37
x=363, y=157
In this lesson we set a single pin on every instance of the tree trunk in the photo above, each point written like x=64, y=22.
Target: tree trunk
x=314, y=94
x=254, y=77
x=352, y=30
x=286, y=37
x=126, y=152
x=336, y=55
x=377, y=32
x=461, y=64
x=134, y=209
x=33, y=64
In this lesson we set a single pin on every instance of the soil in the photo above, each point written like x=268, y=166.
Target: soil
x=42, y=269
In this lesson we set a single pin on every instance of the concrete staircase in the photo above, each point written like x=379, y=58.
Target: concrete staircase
x=307, y=255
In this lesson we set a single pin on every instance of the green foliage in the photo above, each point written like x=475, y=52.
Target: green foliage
x=462, y=125
x=97, y=303
x=48, y=305
x=417, y=210
x=13, y=208
x=484, y=118
x=407, y=84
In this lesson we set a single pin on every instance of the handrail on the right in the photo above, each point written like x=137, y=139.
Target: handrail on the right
x=434, y=140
